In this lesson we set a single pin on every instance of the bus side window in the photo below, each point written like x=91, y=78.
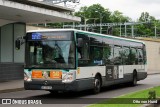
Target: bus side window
x=133, y=56
x=108, y=54
x=140, y=56
x=118, y=55
x=96, y=50
x=96, y=55
x=144, y=54
x=80, y=46
x=125, y=55
x=82, y=49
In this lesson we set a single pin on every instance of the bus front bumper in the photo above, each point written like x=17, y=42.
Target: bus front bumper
x=76, y=85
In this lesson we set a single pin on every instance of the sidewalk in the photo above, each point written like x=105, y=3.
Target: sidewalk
x=11, y=86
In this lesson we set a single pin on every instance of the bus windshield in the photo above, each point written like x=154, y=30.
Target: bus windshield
x=50, y=54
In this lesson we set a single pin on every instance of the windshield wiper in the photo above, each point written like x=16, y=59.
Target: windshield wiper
x=33, y=66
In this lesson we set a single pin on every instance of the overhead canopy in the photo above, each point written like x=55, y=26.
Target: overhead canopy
x=18, y=12
x=44, y=5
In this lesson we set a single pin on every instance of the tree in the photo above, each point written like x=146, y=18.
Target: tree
x=145, y=17
x=94, y=11
x=117, y=16
x=94, y=14
x=82, y=13
x=146, y=29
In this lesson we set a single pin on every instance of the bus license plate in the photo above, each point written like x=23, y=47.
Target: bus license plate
x=46, y=87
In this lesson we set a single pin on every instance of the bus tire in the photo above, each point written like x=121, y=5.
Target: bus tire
x=97, y=85
x=134, y=80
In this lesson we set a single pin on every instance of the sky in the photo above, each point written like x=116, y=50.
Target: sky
x=130, y=8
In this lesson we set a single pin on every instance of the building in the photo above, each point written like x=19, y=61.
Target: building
x=14, y=15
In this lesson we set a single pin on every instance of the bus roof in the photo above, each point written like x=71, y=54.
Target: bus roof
x=81, y=31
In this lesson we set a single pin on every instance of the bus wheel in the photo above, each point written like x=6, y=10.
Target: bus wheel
x=97, y=85
x=134, y=81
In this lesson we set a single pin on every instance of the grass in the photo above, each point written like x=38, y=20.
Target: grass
x=127, y=100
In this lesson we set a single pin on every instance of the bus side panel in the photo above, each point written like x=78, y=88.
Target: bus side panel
x=115, y=75
x=141, y=71
x=85, y=76
x=90, y=72
x=128, y=69
x=126, y=76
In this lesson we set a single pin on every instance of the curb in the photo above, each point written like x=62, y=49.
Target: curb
x=153, y=74
x=11, y=90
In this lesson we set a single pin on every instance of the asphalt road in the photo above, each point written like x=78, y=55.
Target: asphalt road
x=80, y=99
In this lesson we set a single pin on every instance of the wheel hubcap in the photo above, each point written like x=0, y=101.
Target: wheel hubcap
x=97, y=84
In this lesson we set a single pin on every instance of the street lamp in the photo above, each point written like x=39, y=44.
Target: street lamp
x=120, y=28
x=100, y=15
x=155, y=28
x=85, y=21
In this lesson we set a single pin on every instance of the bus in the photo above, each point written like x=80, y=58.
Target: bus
x=75, y=60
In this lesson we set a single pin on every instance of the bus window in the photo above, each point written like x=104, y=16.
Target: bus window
x=108, y=54
x=125, y=55
x=39, y=58
x=140, y=56
x=96, y=50
x=96, y=55
x=118, y=55
x=95, y=40
x=82, y=49
x=133, y=56
x=144, y=54
x=51, y=54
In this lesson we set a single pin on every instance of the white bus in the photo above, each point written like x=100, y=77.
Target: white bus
x=75, y=60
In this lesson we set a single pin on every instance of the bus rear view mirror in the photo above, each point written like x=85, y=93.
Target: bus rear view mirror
x=18, y=44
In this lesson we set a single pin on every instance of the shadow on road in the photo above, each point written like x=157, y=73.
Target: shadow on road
x=81, y=94
x=82, y=97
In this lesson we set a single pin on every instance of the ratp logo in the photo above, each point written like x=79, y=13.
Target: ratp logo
x=6, y=101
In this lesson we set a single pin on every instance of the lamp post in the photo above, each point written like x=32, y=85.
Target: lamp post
x=155, y=28
x=120, y=28
x=85, y=23
x=155, y=31
x=100, y=15
x=125, y=29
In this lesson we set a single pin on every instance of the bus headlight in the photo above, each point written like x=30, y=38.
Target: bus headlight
x=68, y=77
x=27, y=78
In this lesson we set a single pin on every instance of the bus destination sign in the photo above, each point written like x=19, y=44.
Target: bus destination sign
x=39, y=36
x=36, y=36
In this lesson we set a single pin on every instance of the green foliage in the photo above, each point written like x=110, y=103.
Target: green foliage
x=122, y=99
x=96, y=13
x=117, y=16
x=148, y=28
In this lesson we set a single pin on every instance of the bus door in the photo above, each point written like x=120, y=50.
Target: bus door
x=114, y=72
x=114, y=65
